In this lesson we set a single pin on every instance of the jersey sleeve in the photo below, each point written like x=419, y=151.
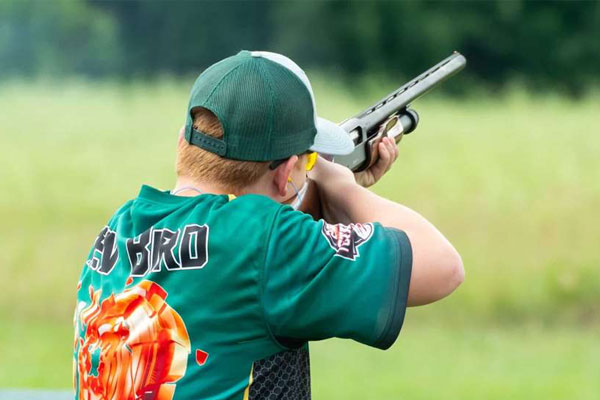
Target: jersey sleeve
x=322, y=280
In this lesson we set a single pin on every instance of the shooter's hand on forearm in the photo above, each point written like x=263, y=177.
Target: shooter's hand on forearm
x=388, y=153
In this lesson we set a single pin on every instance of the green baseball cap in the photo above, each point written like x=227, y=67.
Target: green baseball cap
x=266, y=106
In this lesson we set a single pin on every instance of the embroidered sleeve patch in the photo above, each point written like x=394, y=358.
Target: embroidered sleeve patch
x=345, y=239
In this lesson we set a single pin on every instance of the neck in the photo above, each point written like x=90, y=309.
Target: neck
x=204, y=187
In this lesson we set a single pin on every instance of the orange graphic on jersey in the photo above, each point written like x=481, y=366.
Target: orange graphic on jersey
x=135, y=346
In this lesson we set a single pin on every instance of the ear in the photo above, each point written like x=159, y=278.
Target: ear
x=282, y=174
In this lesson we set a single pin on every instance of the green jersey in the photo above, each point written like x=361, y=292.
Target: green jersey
x=216, y=297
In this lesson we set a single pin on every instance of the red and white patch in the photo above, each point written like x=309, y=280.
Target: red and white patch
x=201, y=357
x=345, y=239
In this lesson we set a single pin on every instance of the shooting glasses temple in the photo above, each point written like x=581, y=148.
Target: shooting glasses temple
x=312, y=159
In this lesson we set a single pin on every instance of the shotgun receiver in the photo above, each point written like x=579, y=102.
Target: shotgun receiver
x=391, y=116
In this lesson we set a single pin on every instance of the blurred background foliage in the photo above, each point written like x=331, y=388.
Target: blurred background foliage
x=539, y=44
x=505, y=162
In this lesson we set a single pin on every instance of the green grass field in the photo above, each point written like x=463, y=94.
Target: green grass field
x=513, y=182
x=427, y=362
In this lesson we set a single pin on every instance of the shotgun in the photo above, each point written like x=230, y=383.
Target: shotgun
x=392, y=115
x=389, y=117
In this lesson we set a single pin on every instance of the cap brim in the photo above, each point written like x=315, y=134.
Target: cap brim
x=331, y=139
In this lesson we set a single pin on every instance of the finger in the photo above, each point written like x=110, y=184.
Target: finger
x=394, y=150
x=389, y=143
x=391, y=146
x=383, y=162
x=385, y=155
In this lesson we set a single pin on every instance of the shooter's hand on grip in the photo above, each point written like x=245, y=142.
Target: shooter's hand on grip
x=313, y=202
x=325, y=179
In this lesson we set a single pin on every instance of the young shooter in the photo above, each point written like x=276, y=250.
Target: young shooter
x=214, y=289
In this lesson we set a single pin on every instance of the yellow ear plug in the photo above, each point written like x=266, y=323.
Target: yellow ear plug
x=289, y=178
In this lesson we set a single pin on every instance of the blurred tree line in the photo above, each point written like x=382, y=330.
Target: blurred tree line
x=544, y=45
